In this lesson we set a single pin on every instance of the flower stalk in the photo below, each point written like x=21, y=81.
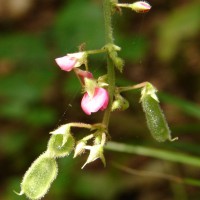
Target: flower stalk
x=107, y=9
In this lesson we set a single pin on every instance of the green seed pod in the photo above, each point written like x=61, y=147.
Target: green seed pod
x=37, y=180
x=58, y=148
x=156, y=121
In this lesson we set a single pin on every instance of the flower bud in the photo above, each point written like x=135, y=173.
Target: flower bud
x=79, y=149
x=98, y=138
x=81, y=58
x=66, y=63
x=156, y=121
x=70, y=61
x=120, y=103
x=37, y=180
x=60, y=145
x=140, y=6
x=103, y=80
x=83, y=74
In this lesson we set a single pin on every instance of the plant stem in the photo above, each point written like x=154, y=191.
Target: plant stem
x=96, y=51
x=155, y=153
x=107, y=9
x=80, y=125
x=133, y=87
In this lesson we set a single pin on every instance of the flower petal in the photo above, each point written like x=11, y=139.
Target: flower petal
x=66, y=63
x=98, y=102
x=83, y=74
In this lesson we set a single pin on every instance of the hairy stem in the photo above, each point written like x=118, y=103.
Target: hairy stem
x=107, y=9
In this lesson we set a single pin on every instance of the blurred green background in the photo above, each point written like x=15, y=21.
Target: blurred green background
x=162, y=47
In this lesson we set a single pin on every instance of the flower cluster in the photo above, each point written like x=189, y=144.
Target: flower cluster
x=96, y=97
x=39, y=177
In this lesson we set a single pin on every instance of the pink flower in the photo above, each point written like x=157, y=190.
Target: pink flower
x=99, y=101
x=70, y=61
x=66, y=63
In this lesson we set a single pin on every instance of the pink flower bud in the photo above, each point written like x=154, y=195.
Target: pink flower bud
x=83, y=74
x=140, y=6
x=99, y=101
x=68, y=62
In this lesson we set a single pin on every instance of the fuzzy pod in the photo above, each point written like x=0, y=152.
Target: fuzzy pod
x=156, y=121
x=38, y=178
x=57, y=148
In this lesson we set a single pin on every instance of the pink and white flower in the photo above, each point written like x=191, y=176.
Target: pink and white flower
x=140, y=6
x=99, y=101
x=70, y=61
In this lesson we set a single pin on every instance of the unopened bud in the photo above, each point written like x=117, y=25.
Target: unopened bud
x=103, y=79
x=79, y=149
x=83, y=74
x=71, y=61
x=140, y=6
x=80, y=56
x=120, y=103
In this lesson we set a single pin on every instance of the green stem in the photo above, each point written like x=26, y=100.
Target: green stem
x=80, y=125
x=107, y=9
x=96, y=51
x=133, y=87
x=155, y=153
x=108, y=21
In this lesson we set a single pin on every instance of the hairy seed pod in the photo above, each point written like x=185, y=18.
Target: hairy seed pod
x=37, y=180
x=58, y=148
x=155, y=119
